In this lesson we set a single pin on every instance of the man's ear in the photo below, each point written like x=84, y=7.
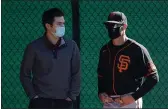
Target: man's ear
x=124, y=26
x=48, y=26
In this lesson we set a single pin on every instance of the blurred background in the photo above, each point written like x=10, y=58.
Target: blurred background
x=21, y=23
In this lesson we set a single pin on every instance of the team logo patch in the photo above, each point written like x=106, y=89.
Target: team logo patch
x=124, y=62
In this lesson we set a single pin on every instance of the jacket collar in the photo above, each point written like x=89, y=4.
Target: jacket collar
x=61, y=42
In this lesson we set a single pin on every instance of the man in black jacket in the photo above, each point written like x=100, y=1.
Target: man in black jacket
x=126, y=71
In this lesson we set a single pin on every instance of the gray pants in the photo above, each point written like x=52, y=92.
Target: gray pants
x=134, y=105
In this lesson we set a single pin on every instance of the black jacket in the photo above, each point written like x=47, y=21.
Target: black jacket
x=126, y=68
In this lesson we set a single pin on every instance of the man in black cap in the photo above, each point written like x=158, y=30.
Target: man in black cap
x=126, y=71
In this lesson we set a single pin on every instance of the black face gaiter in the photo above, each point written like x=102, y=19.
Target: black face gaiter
x=114, y=32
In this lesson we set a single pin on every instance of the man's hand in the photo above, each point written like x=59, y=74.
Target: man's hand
x=104, y=98
x=68, y=99
x=125, y=100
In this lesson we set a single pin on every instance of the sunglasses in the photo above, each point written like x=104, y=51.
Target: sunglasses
x=112, y=25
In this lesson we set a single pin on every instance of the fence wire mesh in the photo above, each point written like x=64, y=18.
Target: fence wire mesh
x=21, y=23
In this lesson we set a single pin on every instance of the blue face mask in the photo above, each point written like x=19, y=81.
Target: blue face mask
x=60, y=31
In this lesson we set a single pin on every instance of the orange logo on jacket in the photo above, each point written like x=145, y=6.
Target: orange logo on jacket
x=124, y=62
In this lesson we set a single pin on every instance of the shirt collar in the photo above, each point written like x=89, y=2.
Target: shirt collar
x=120, y=46
x=61, y=42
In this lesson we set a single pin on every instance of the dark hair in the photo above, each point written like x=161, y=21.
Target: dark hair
x=48, y=16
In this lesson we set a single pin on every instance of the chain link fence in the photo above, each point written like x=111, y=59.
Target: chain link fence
x=21, y=23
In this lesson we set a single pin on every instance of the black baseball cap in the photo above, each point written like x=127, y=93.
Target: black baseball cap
x=116, y=17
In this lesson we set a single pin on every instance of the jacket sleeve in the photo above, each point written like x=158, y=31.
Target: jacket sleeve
x=75, y=73
x=25, y=71
x=101, y=74
x=149, y=72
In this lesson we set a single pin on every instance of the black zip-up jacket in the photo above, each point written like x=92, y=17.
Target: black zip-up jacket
x=126, y=68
